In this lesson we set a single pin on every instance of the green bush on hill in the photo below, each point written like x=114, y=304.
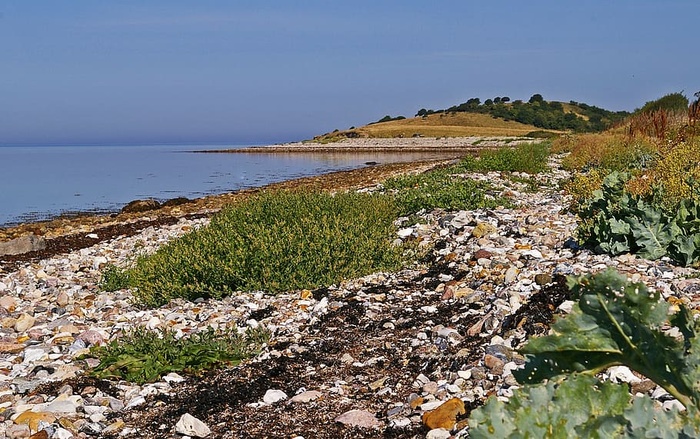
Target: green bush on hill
x=540, y=113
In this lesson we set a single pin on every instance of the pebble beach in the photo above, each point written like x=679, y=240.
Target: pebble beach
x=396, y=355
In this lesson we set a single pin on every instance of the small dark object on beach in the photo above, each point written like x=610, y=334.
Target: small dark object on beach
x=536, y=315
x=140, y=206
x=371, y=163
x=176, y=202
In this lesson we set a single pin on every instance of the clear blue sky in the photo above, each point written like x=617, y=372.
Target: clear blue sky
x=266, y=71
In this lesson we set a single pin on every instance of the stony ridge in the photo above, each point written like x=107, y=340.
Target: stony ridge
x=364, y=359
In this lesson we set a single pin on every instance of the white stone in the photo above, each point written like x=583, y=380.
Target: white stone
x=465, y=374
x=405, y=233
x=536, y=254
x=273, y=395
x=438, y=433
x=62, y=433
x=34, y=354
x=431, y=405
x=172, y=377
x=623, y=374
x=191, y=426
x=134, y=402
x=309, y=395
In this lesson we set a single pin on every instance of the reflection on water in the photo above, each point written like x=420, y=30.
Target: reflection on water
x=41, y=182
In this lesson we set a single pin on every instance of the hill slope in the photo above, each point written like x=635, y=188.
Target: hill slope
x=437, y=125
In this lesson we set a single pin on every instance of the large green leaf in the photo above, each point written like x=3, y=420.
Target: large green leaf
x=652, y=233
x=568, y=409
x=615, y=322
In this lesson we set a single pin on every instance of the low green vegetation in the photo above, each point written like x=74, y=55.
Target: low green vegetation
x=443, y=188
x=530, y=158
x=143, y=356
x=614, y=322
x=274, y=242
x=283, y=241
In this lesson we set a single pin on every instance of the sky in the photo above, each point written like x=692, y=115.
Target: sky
x=252, y=72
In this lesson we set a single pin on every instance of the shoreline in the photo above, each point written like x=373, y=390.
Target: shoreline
x=448, y=145
x=393, y=346
x=66, y=234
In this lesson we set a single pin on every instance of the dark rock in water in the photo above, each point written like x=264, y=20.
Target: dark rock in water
x=140, y=206
x=176, y=202
x=24, y=244
x=371, y=163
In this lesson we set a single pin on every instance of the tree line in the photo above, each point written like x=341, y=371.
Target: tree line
x=536, y=111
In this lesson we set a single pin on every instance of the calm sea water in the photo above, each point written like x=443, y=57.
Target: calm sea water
x=42, y=182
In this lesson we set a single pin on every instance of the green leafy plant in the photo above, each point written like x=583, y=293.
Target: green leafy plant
x=615, y=221
x=614, y=322
x=142, y=356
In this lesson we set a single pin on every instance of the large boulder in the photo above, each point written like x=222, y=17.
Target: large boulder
x=24, y=244
x=137, y=206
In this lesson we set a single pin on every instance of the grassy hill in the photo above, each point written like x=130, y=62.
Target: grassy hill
x=438, y=125
x=494, y=117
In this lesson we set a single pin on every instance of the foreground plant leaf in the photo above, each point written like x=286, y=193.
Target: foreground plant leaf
x=616, y=322
x=580, y=404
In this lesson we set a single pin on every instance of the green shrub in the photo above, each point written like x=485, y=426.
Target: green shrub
x=114, y=278
x=142, y=356
x=440, y=189
x=275, y=242
x=614, y=322
x=528, y=157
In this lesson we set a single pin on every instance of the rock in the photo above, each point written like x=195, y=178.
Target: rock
x=543, y=278
x=273, y=395
x=137, y=206
x=8, y=303
x=91, y=338
x=32, y=419
x=482, y=254
x=307, y=396
x=18, y=431
x=176, y=202
x=511, y=275
x=43, y=434
x=405, y=233
x=191, y=426
x=24, y=244
x=24, y=322
x=358, y=418
x=445, y=416
x=493, y=364
x=438, y=433
x=10, y=348
x=483, y=229
x=114, y=427
x=62, y=433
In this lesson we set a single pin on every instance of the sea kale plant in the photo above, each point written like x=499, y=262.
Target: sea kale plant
x=614, y=322
x=615, y=221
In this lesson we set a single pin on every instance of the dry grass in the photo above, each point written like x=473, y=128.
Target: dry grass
x=444, y=125
x=568, y=108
